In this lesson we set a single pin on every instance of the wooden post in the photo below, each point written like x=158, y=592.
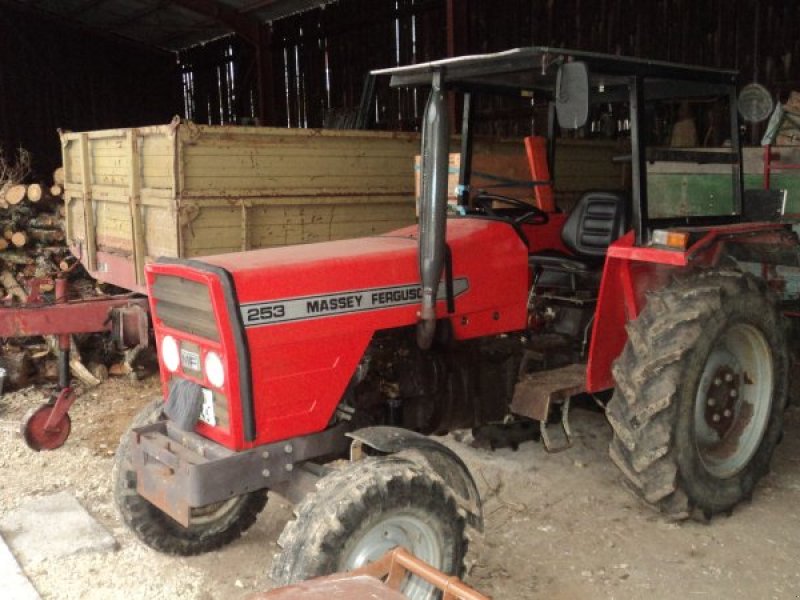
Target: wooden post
x=456, y=14
x=88, y=207
x=135, y=198
x=266, y=101
x=246, y=243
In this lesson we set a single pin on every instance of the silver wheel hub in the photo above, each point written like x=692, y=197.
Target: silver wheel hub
x=733, y=401
x=399, y=529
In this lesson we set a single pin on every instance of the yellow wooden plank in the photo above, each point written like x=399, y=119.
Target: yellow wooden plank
x=134, y=190
x=88, y=211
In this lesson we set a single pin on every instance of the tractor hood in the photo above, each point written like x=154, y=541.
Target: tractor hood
x=358, y=281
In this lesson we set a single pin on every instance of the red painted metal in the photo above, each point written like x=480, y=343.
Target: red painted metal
x=770, y=166
x=112, y=268
x=630, y=272
x=301, y=368
x=536, y=149
x=80, y=316
x=47, y=426
x=547, y=236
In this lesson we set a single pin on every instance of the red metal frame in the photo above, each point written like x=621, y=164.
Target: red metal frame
x=79, y=316
x=630, y=272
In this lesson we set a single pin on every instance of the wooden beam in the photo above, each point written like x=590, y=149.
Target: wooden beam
x=134, y=18
x=457, y=29
x=242, y=25
x=83, y=7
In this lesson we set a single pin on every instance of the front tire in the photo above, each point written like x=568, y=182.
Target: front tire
x=210, y=527
x=701, y=388
x=363, y=511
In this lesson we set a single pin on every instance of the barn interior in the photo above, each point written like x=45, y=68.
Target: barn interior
x=137, y=129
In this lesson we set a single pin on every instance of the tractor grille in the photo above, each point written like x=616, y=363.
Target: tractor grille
x=185, y=305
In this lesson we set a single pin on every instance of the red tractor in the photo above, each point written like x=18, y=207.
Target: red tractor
x=275, y=363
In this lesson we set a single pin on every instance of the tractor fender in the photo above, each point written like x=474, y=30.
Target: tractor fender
x=427, y=453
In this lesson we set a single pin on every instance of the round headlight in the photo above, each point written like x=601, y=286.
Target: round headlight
x=170, y=353
x=214, y=369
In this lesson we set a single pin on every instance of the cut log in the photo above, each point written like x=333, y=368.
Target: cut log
x=47, y=236
x=16, y=194
x=34, y=192
x=13, y=257
x=46, y=221
x=67, y=263
x=19, y=239
x=3, y=244
x=7, y=233
x=56, y=190
x=58, y=176
x=76, y=366
x=12, y=286
x=98, y=370
x=17, y=364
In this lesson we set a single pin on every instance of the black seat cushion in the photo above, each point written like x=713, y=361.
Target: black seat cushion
x=597, y=220
x=553, y=259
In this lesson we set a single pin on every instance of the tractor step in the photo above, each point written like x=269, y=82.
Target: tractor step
x=536, y=393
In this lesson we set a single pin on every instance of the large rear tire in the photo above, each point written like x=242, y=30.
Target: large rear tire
x=701, y=388
x=361, y=512
x=210, y=527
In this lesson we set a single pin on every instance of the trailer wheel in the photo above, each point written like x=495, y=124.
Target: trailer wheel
x=701, y=389
x=210, y=527
x=359, y=513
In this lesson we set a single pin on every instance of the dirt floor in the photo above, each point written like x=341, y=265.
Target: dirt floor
x=558, y=526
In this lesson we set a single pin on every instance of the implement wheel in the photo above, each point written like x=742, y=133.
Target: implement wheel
x=701, y=390
x=210, y=527
x=361, y=512
x=36, y=433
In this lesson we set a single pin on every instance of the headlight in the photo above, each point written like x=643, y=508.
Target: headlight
x=214, y=369
x=170, y=353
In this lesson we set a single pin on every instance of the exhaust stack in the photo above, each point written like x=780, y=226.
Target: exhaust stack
x=433, y=208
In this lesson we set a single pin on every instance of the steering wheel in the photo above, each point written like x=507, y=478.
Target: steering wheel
x=532, y=214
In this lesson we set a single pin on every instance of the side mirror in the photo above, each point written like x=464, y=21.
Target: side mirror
x=572, y=95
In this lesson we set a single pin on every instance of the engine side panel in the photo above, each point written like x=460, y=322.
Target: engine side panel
x=310, y=311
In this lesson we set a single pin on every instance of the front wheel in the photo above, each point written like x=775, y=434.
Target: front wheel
x=363, y=511
x=210, y=527
x=701, y=387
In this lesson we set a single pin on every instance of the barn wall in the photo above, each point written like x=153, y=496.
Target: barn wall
x=758, y=37
x=55, y=76
x=321, y=56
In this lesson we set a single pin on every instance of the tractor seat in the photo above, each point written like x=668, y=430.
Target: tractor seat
x=596, y=221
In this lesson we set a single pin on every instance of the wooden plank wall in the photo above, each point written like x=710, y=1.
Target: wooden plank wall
x=759, y=37
x=321, y=56
x=56, y=76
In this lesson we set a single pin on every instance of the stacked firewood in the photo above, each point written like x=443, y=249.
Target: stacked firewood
x=33, y=246
x=33, y=253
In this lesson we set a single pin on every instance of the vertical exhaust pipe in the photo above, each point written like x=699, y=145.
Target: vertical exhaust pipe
x=433, y=208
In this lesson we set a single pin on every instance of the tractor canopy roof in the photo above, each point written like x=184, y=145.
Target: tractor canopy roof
x=572, y=80
x=535, y=69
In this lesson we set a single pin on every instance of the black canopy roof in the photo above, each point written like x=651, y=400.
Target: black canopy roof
x=534, y=68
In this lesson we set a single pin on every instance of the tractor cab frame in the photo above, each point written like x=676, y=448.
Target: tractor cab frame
x=539, y=72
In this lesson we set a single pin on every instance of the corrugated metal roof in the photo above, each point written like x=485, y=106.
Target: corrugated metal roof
x=168, y=24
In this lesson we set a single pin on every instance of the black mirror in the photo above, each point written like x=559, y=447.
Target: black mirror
x=572, y=95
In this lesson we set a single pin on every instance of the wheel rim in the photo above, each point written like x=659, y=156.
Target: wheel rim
x=213, y=512
x=400, y=529
x=733, y=401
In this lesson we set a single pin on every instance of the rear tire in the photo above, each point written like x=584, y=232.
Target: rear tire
x=701, y=388
x=209, y=528
x=361, y=512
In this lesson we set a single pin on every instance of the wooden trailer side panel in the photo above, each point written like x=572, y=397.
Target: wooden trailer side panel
x=119, y=189
x=244, y=188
